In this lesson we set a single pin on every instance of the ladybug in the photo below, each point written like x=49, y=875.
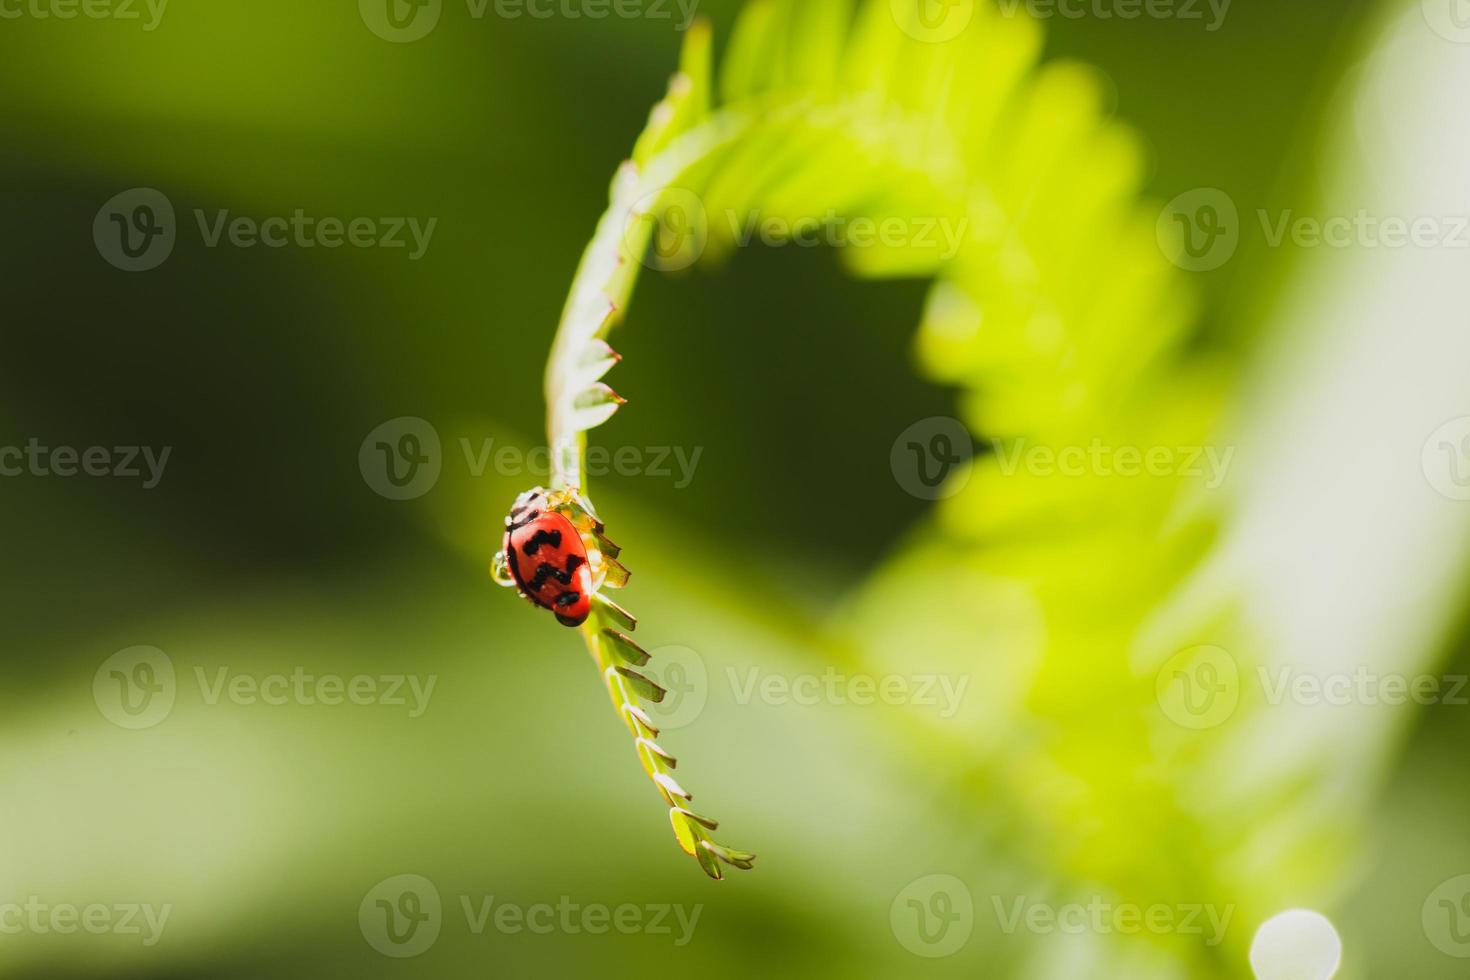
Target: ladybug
x=545, y=554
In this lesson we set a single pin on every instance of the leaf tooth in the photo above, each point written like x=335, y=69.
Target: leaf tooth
x=671, y=788
x=708, y=861
x=594, y=405
x=621, y=616
x=637, y=717
x=607, y=546
x=684, y=831
x=645, y=688
x=709, y=823
x=739, y=859
x=658, y=750
x=606, y=313
x=655, y=760
x=597, y=394
x=625, y=179
x=626, y=648
x=598, y=357
x=616, y=575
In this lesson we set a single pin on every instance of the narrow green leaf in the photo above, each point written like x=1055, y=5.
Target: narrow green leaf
x=639, y=721
x=751, y=52
x=641, y=685
x=670, y=787
x=624, y=648
x=657, y=750
x=684, y=831
x=617, y=575
x=709, y=822
x=708, y=861
x=617, y=613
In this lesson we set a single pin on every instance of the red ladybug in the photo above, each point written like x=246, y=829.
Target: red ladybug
x=546, y=556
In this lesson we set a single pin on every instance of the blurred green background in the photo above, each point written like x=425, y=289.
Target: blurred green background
x=264, y=549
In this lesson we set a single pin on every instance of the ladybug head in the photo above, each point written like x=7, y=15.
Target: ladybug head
x=528, y=506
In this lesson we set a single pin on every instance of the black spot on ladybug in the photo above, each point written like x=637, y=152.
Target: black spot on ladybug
x=574, y=562
x=567, y=599
x=552, y=538
x=547, y=570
